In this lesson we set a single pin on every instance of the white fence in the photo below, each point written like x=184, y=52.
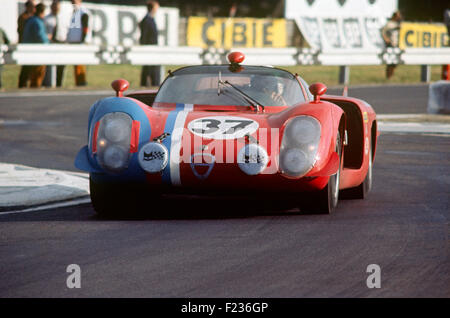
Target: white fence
x=73, y=54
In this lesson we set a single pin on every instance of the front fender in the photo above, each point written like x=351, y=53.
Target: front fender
x=329, y=115
x=86, y=158
x=84, y=162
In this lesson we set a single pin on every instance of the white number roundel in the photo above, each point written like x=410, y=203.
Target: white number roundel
x=223, y=127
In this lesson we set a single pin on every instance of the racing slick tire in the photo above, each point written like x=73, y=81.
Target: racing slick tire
x=116, y=200
x=361, y=191
x=325, y=201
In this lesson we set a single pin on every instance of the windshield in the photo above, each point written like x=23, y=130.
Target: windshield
x=217, y=85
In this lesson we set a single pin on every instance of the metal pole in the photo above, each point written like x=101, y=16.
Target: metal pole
x=53, y=76
x=162, y=74
x=344, y=74
x=425, y=73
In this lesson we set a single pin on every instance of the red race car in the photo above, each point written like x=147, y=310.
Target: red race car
x=226, y=129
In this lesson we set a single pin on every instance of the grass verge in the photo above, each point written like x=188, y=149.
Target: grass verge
x=100, y=76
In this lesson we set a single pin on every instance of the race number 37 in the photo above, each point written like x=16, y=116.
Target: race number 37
x=223, y=127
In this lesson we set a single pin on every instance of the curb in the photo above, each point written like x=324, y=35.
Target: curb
x=23, y=187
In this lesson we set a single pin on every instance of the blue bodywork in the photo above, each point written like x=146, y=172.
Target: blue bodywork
x=86, y=160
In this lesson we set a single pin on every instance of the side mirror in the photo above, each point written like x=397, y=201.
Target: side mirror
x=120, y=86
x=317, y=89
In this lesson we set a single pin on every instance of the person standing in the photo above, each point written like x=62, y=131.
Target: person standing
x=78, y=32
x=25, y=70
x=149, y=36
x=446, y=68
x=3, y=41
x=390, y=33
x=35, y=32
x=447, y=22
x=56, y=34
x=30, y=9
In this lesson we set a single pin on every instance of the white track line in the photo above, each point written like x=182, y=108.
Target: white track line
x=49, y=206
x=57, y=93
x=396, y=127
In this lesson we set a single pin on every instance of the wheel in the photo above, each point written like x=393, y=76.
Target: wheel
x=361, y=191
x=105, y=199
x=325, y=201
x=116, y=200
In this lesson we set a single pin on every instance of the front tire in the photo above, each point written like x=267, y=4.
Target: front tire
x=325, y=201
x=116, y=200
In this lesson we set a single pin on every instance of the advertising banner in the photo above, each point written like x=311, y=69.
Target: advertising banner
x=341, y=24
x=236, y=32
x=423, y=35
x=109, y=24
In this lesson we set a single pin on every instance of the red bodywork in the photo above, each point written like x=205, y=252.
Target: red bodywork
x=353, y=118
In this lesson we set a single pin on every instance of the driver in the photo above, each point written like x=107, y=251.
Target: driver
x=269, y=89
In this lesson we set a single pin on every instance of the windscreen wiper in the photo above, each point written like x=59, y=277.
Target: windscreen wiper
x=249, y=99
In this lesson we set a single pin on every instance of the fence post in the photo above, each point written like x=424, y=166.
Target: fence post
x=53, y=76
x=344, y=74
x=425, y=73
x=162, y=74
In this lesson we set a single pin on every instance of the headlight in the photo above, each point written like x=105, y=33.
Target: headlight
x=113, y=139
x=252, y=159
x=299, y=145
x=115, y=157
x=302, y=131
x=153, y=157
x=294, y=161
x=117, y=128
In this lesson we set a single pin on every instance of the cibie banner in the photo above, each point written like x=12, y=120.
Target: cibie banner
x=341, y=24
x=423, y=35
x=236, y=32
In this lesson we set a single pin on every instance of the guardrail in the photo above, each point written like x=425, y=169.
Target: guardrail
x=73, y=54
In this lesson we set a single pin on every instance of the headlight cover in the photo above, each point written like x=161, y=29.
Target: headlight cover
x=153, y=157
x=252, y=159
x=299, y=146
x=113, y=141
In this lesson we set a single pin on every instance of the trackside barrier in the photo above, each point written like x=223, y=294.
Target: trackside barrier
x=439, y=98
x=73, y=54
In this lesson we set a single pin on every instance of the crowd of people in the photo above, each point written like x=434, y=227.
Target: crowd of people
x=33, y=26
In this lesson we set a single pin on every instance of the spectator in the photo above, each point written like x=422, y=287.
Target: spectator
x=35, y=32
x=78, y=32
x=149, y=36
x=447, y=22
x=233, y=10
x=3, y=40
x=56, y=34
x=446, y=68
x=30, y=9
x=390, y=33
x=25, y=70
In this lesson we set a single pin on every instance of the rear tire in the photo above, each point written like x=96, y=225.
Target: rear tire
x=325, y=201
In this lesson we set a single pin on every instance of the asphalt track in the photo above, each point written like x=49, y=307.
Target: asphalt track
x=232, y=248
